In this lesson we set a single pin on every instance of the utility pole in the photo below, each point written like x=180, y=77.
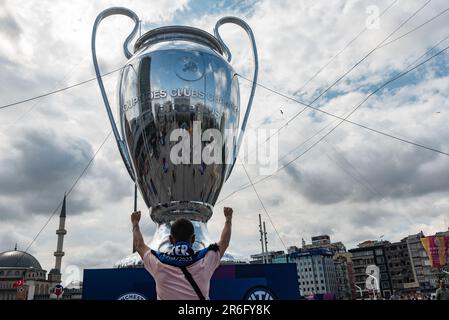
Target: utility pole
x=135, y=209
x=266, y=242
x=261, y=238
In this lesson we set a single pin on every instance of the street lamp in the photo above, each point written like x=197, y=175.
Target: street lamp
x=376, y=287
x=360, y=289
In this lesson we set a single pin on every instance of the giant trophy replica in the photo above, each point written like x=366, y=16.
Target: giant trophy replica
x=177, y=78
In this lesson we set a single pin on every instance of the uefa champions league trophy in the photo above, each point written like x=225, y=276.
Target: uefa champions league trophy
x=178, y=78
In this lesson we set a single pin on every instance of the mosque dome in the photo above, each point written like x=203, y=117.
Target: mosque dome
x=18, y=259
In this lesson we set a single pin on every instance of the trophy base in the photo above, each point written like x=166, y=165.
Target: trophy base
x=134, y=260
x=164, y=215
x=192, y=210
x=161, y=243
x=161, y=239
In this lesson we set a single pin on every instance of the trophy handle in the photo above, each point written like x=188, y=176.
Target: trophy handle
x=104, y=14
x=250, y=34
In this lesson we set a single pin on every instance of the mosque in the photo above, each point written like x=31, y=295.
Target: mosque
x=23, y=278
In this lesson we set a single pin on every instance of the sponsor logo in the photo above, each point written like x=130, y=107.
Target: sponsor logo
x=259, y=293
x=59, y=290
x=190, y=67
x=132, y=296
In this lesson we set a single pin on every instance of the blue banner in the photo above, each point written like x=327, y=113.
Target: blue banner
x=229, y=282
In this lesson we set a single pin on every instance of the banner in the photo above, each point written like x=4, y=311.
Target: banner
x=437, y=250
x=277, y=281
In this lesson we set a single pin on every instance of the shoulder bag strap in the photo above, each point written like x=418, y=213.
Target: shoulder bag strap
x=192, y=282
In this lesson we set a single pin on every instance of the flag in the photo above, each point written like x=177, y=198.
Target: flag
x=437, y=250
x=18, y=283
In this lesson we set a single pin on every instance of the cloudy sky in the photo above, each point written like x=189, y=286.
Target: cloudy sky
x=354, y=185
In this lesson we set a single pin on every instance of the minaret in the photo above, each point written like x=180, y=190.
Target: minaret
x=55, y=274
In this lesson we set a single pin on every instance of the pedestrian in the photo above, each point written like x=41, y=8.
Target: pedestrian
x=442, y=292
x=182, y=274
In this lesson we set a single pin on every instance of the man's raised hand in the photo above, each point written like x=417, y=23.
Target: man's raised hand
x=135, y=218
x=228, y=213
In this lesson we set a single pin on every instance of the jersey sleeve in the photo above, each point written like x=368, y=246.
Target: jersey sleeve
x=150, y=262
x=212, y=261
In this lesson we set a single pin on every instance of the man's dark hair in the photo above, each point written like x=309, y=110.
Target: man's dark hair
x=182, y=230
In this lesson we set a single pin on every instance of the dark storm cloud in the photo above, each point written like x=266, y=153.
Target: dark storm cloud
x=294, y=173
x=373, y=175
x=371, y=217
x=9, y=239
x=37, y=168
x=274, y=200
x=406, y=172
x=318, y=187
x=11, y=76
x=9, y=27
x=114, y=183
x=106, y=254
x=16, y=84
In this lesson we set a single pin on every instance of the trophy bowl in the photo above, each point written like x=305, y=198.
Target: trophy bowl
x=179, y=110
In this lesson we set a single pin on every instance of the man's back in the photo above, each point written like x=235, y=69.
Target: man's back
x=171, y=284
x=182, y=273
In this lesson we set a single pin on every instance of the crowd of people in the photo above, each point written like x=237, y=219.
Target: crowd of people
x=442, y=293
